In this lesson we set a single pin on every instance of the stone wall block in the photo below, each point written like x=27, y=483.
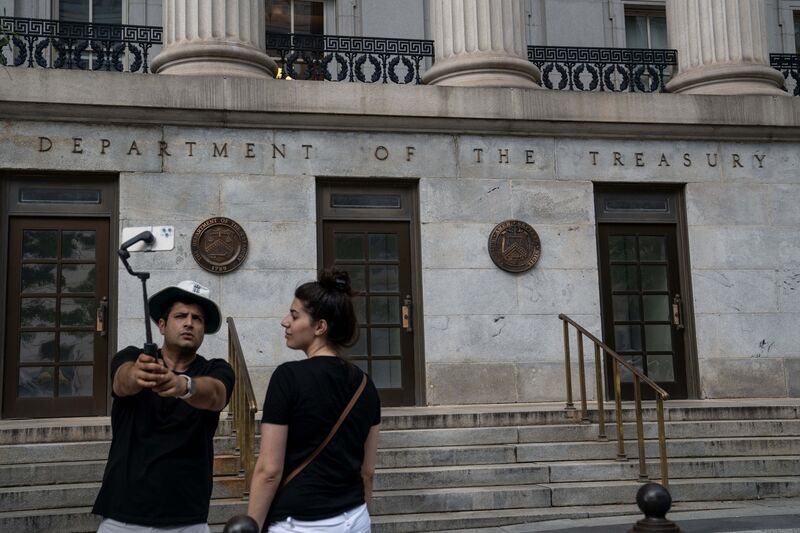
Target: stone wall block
x=373, y=155
x=217, y=151
x=280, y=245
x=735, y=291
x=550, y=292
x=269, y=199
x=261, y=293
x=471, y=383
x=545, y=382
x=638, y=161
x=750, y=335
x=465, y=200
x=789, y=290
x=714, y=204
x=506, y=157
x=742, y=378
x=454, y=292
x=792, y=368
x=784, y=201
x=79, y=147
x=760, y=162
x=164, y=198
x=553, y=202
x=743, y=247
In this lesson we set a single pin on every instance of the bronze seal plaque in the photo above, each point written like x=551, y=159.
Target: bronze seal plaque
x=219, y=245
x=514, y=246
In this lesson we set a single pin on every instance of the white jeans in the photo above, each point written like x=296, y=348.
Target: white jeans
x=352, y=521
x=109, y=525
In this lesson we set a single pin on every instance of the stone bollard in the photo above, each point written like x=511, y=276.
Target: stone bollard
x=654, y=500
x=241, y=524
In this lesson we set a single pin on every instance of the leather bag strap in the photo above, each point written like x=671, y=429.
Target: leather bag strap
x=333, y=431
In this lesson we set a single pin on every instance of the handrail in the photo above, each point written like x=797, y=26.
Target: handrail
x=242, y=408
x=638, y=379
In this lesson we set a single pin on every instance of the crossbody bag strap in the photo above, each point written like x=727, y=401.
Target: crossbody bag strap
x=333, y=431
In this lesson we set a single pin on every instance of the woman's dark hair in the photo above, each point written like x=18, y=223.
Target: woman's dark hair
x=328, y=299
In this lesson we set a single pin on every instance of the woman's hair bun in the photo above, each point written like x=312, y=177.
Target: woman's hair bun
x=337, y=280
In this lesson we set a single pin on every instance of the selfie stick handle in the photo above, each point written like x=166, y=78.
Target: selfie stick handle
x=149, y=347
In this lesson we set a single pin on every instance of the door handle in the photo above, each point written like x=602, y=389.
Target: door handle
x=677, y=312
x=405, y=313
x=101, y=322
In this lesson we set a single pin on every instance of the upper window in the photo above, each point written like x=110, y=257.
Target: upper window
x=296, y=16
x=645, y=28
x=796, y=32
x=95, y=11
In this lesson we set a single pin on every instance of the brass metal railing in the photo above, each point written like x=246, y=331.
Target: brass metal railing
x=242, y=408
x=638, y=378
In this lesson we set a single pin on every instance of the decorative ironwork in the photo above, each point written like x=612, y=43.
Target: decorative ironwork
x=603, y=69
x=77, y=45
x=345, y=58
x=789, y=66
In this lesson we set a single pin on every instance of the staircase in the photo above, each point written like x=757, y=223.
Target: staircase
x=444, y=468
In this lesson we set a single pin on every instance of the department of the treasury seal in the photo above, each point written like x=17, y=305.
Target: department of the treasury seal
x=219, y=245
x=514, y=246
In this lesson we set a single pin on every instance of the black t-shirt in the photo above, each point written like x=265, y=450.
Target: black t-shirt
x=309, y=396
x=160, y=466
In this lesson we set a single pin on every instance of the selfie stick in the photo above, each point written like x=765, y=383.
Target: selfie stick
x=147, y=237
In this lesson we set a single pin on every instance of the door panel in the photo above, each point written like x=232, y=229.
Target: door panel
x=55, y=359
x=377, y=257
x=640, y=278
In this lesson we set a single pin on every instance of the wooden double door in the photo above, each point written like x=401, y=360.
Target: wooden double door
x=56, y=341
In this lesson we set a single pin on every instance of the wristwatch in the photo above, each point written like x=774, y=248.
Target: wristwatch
x=189, y=387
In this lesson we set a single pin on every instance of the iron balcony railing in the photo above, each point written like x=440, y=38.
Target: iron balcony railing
x=26, y=42
x=789, y=66
x=603, y=69
x=346, y=58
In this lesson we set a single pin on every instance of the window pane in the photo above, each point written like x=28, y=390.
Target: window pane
x=383, y=247
x=77, y=278
x=78, y=245
x=36, y=382
x=636, y=31
x=75, y=381
x=659, y=338
x=37, y=312
x=38, y=278
x=654, y=278
x=357, y=277
x=363, y=365
x=626, y=308
x=37, y=347
x=385, y=341
x=652, y=248
x=348, y=246
x=797, y=33
x=77, y=346
x=48, y=195
x=658, y=32
x=308, y=17
x=360, y=307
x=39, y=244
x=622, y=248
x=73, y=10
x=366, y=201
x=278, y=16
x=624, y=278
x=616, y=205
x=360, y=347
x=107, y=11
x=384, y=278
x=633, y=360
x=660, y=368
x=627, y=338
x=384, y=310
x=77, y=312
x=386, y=374
x=656, y=307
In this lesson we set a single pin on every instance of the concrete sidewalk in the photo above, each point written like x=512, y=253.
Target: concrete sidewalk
x=765, y=516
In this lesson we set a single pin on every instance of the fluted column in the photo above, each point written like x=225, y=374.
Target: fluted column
x=214, y=37
x=480, y=43
x=722, y=47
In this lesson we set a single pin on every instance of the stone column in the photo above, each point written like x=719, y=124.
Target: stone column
x=480, y=43
x=722, y=48
x=214, y=37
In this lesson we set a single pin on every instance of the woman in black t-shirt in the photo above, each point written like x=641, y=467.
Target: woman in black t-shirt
x=304, y=400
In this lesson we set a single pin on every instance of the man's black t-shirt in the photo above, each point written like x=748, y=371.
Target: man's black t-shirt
x=309, y=396
x=159, y=470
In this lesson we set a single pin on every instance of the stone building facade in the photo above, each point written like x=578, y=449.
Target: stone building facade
x=668, y=223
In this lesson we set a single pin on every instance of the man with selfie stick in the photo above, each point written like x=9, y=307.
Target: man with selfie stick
x=165, y=413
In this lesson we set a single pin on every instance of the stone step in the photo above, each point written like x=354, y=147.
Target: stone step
x=460, y=499
x=461, y=476
x=446, y=456
x=80, y=519
x=34, y=497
